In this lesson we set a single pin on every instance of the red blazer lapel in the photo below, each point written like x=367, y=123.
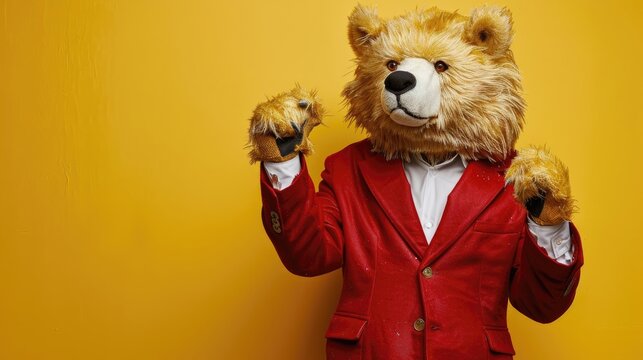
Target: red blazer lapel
x=389, y=186
x=479, y=185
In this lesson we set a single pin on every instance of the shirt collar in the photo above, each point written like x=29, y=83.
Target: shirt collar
x=457, y=159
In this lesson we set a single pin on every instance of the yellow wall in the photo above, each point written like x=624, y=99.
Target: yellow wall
x=129, y=215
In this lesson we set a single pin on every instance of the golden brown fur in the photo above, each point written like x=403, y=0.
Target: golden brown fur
x=481, y=111
x=536, y=170
x=272, y=119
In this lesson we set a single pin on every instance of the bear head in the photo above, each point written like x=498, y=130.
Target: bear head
x=436, y=83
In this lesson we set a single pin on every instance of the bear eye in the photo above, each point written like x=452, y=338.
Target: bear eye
x=392, y=65
x=441, y=66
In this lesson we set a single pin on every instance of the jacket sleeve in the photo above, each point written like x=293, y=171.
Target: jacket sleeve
x=303, y=225
x=541, y=288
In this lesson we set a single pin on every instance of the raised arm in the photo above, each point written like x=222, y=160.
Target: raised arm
x=303, y=225
x=547, y=265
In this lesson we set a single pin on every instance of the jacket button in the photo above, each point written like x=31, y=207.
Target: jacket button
x=419, y=324
x=427, y=272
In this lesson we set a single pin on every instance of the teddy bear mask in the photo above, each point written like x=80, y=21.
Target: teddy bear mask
x=435, y=83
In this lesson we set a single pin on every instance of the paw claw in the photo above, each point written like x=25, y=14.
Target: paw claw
x=536, y=204
x=303, y=104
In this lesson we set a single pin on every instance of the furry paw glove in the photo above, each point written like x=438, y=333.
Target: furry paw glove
x=279, y=127
x=541, y=183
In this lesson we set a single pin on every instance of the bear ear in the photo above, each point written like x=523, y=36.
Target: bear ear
x=364, y=25
x=490, y=27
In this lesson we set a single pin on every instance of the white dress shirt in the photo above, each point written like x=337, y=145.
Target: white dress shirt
x=430, y=187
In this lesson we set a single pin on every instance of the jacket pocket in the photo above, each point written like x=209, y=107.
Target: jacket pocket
x=499, y=341
x=344, y=337
x=345, y=327
x=499, y=228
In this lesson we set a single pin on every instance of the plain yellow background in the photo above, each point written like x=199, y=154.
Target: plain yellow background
x=129, y=215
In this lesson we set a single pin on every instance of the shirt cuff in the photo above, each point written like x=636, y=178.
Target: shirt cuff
x=282, y=174
x=555, y=239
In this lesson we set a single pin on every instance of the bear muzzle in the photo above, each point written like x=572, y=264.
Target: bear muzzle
x=411, y=94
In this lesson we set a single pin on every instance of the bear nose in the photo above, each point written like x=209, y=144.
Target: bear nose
x=399, y=82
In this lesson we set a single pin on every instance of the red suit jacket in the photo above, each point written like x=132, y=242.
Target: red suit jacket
x=402, y=298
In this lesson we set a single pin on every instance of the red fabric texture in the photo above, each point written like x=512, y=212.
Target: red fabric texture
x=363, y=220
